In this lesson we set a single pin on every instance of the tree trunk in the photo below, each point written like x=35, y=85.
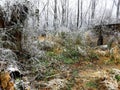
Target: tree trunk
x=55, y=15
x=67, y=22
x=81, y=13
x=100, y=39
x=78, y=14
x=47, y=14
x=2, y=22
x=64, y=12
x=93, y=9
x=118, y=7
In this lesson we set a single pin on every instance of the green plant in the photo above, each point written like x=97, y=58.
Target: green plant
x=91, y=84
x=111, y=60
x=117, y=77
x=93, y=56
x=68, y=61
x=62, y=34
x=50, y=54
x=50, y=72
x=78, y=40
x=75, y=73
x=71, y=52
x=70, y=84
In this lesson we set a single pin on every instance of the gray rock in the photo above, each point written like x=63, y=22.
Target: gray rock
x=103, y=47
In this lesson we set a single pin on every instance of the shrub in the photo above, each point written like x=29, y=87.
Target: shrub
x=78, y=40
x=70, y=55
x=93, y=56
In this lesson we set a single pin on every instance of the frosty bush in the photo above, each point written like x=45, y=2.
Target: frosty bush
x=7, y=55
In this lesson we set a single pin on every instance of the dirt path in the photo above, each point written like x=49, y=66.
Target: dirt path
x=88, y=72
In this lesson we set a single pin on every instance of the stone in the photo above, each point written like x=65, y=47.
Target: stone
x=103, y=47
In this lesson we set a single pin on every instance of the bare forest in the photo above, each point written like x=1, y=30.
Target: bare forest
x=59, y=44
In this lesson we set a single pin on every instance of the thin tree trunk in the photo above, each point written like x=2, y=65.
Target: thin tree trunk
x=67, y=14
x=47, y=14
x=78, y=14
x=118, y=7
x=64, y=12
x=81, y=13
x=55, y=15
x=93, y=9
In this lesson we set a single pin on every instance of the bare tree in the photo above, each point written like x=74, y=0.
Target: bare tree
x=78, y=14
x=67, y=13
x=64, y=12
x=117, y=12
x=100, y=38
x=47, y=13
x=2, y=22
x=55, y=15
x=93, y=9
x=81, y=13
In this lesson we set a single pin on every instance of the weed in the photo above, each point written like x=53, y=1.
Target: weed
x=78, y=40
x=117, y=77
x=67, y=60
x=91, y=84
x=70, y=84
x=75, y=73
x=93, y=56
